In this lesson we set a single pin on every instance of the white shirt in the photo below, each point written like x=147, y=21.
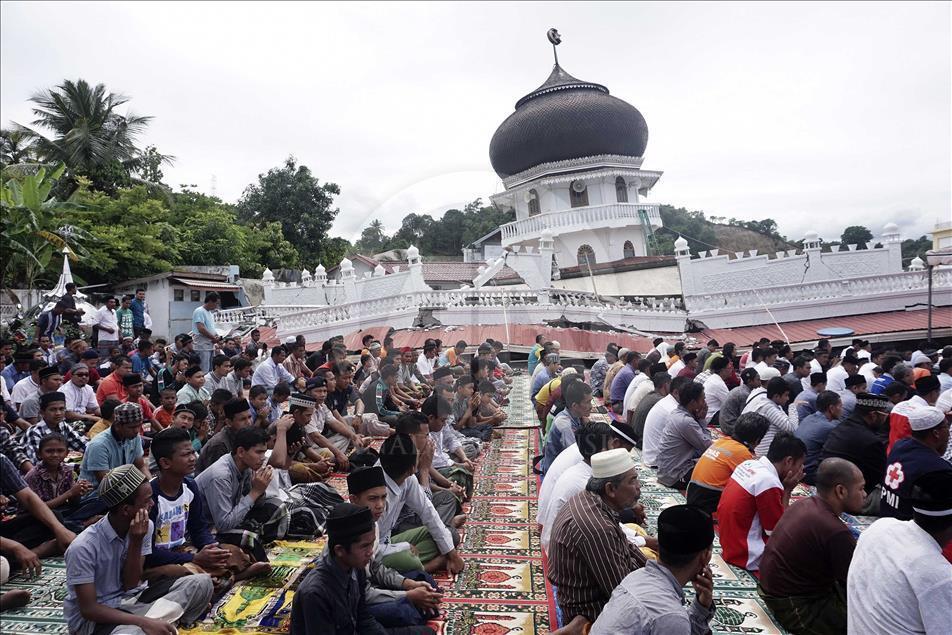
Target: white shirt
x=676, y=368
x=410, y=495
x=836, y=378
x=107, y=318
x=766, y=372
x=815, y=366
x=715, y=392
x=425, y=365
x=443, y=444
x=898, y=582
x=866, y=370
x=654, y=428
x=23, y=390
x=571, y=483
x=79, y=400
x=269, y=375
x=567, y=458
x=637, y=392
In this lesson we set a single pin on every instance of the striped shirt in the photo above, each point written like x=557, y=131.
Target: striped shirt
x=589, y=555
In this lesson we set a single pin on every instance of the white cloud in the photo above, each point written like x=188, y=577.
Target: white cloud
x=817, y=115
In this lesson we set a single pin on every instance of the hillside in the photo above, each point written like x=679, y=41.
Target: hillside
x=731, y=238
x=703, y=235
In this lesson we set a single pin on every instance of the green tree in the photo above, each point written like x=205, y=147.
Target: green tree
x=373, y=239
x=150, y=164
x=35, y=226
x=416, y=230
x=79, y=125
x=131, y=235
x=16, y=146
x=292, y=196
x=856, y=235
x=692, y=225
x=915, y=247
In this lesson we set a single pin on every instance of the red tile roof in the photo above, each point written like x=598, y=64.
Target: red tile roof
x=806, y=330
x=454, y=271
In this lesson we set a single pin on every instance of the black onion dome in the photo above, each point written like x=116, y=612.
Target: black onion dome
x=566, y=118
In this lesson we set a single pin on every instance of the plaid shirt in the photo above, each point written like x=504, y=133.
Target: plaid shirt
x=48, y=485
x=13, y=448
x=74, y=440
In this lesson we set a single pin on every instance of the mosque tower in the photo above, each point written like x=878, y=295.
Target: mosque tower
x=570, y=161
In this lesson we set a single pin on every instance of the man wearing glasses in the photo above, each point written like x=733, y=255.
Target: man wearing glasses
x=81, y=404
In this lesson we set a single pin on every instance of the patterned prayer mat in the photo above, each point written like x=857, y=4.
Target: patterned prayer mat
x=44, y=614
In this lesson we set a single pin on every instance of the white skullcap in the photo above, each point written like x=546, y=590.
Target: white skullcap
x=919, y=358
x=290, y=339
x=925, y=417
x=555, y=344
x=768, y=373
x=622, y=352
x=569, y=371
x=611, y=463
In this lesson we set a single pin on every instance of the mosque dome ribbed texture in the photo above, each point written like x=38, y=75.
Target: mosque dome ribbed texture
x=566, y=118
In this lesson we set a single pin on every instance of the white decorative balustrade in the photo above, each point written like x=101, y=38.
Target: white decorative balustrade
x=610, y=215
x=866, y=294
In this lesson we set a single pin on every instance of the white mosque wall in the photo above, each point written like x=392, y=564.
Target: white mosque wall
x=608, y=243
x=659, y=281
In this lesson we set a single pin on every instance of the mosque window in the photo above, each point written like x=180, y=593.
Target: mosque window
x=621, y=190
x=579, y=194
x=586, y=256
x=533, y=203
x=629, y=249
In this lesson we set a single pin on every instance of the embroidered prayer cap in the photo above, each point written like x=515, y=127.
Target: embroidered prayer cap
x=611, y=463
x=364, y=478
x=191, y=370
x=132, y=379
x=925, y=418
x=127, y=413
x=49, y=371
x=301, y=400
x=932, y=494
x=623, y=431
x=924, y=385
x=869, y=401
x=685, y=529
x=79, y=367
x=855, y=380
x=347, y=521
x=119, y=483
x=235, y=407
x=51, y=397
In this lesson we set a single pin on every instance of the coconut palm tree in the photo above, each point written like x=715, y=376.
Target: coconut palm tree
x=79, y=126
x=16, y=146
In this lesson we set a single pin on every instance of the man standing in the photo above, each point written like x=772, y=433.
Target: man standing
x=589, y=554
x=139, y=308
x=108, y=326
x=805, y=564
x=206, y=333
x=124, y=318
x=898, y=580
x=651, y=599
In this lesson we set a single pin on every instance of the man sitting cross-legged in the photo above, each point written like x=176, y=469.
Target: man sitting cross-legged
x=331, y=599
x=449, y=460
x=589, y=553
x=104, y=569
x=755, y=498
x=393, y=598
x=651, y=599
x=183, y=543
x=804, y=568
x=36, y=533
x=234, y=487
x=429, y=547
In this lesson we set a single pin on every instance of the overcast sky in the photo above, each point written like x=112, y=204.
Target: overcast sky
x=818, y=115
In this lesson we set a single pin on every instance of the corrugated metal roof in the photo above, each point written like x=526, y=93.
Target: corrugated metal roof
x=205, y=284
x=806, y=330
